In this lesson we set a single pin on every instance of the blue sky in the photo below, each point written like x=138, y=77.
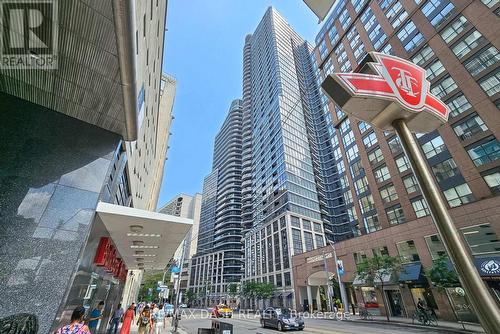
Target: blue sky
x=203, y=51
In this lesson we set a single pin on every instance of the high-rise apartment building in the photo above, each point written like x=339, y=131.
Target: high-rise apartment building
x=187, y=206
x=218, y=260
x=83, y=146
x=295, y=191
x=457, y=43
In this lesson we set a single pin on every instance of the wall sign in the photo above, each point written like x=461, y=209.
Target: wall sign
x=108, y=257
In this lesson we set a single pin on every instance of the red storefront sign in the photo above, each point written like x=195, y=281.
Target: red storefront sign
x=108, y=257
x=396, y=88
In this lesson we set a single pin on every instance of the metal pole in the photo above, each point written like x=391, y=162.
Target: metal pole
x=343, y=295
x=329, y=284
x=480, y=298
x=177, y=287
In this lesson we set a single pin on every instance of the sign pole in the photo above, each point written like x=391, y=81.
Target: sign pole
x=343, y=295
x=477, y=292
x=329, y=293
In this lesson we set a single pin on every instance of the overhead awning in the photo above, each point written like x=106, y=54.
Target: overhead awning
x=488, y=266
x=144, y=239
x=412, y=273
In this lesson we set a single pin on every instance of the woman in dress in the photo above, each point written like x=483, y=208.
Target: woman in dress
x=128, y=317
x=77, y=326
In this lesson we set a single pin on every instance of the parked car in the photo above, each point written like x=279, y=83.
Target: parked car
x=183, y=306
x=281, y=319
x=222, y=311
x=169, y=310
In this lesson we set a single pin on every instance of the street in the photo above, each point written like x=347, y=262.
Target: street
x=194, y=319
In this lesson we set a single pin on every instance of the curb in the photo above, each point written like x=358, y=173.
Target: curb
x=404, y=324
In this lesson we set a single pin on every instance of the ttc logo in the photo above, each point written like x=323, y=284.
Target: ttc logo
x=28, y=34
x=385, y=88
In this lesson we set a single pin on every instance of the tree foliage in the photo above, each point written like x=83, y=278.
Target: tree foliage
x=258, y=290
x=190, y=295
x=441, y=275
x=232, y=289
x=150, y=281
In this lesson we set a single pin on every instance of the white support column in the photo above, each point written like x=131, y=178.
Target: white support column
x=309, y=298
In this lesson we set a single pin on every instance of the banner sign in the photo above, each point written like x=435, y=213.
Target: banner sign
x=107, y=256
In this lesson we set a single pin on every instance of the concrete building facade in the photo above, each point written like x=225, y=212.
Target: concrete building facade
x=83, y=147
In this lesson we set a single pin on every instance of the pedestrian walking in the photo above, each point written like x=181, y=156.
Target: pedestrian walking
x=145, y=321
x=77, y=325
x=115, y=319
x=159, y=319
x=95, y=316
x=128, y=317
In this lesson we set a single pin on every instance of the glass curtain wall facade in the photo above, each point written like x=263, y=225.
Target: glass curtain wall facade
x=221, y=225
x=295, y=195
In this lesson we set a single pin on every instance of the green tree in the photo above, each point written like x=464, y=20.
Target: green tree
x=265, y=291
x=441, y=275
x=190, y=295
x=232, y=289
x=150, y=281
x=374, y=269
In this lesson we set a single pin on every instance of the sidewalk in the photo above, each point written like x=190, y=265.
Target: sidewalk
x=443, y=325
x=134, y=328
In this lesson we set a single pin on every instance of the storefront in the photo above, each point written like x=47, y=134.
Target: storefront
x=370, y=295
x=412, y=277
x=489, y=269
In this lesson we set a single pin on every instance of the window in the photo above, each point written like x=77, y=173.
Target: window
x=469, y=127
x=288, y=279
x=395, y=144
x=407, y=251
x=334, y=35
x=372, y=224
x=328, y=69
x=380, y=251
x=492, y=179
x=435, y=246
x=463, y=47
x=357, y=4
x=308, y=241
x=344, y=19
x=437, y=11
x=322, y=49
x=375, y=156
x=363, y=126
x=317, y=227
x=490, y=3
x=486, y=152
x=458, y=105
x=410, y=37
x=382, y=174
x=366, y=204
x=433, y=147
x=423, y=56
x=361, y=185
x=388, y=193
x=420, y=207
x=370, y=140
x=434, y=69
x=297, y=241
x=395, y=215
x=454, y=29
x=482, y=60
x=394, y=13
x=444, y=87
x=445, y=170
x=306, y=224
x=458, y=195
x=319, y=240
x=352, y=153
x=491, y=84
x=359, y=257
x=295, y=221
x=356, y=169
x=410, y=183
x=403, y=163
x=481, y=239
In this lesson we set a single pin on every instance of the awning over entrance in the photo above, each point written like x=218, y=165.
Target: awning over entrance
x=144, y=239
x=488, y=266
x=412, y=273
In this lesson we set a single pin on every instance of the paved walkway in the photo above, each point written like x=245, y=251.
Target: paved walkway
x=475, y=328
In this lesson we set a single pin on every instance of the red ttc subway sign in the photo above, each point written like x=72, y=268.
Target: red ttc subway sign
x=384, y=88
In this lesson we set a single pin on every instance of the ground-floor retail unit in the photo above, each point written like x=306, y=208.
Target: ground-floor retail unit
x=417, y=244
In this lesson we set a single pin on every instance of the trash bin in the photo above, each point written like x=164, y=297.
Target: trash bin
x=220, y=327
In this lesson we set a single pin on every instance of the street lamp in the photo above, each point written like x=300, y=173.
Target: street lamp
x=393, y=94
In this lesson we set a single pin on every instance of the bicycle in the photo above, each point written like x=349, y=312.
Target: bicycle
x=425, y=318
x=365, y=315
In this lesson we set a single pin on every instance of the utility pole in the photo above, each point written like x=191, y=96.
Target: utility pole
x=177, y=286
x=329, y=291
x=343, y=295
